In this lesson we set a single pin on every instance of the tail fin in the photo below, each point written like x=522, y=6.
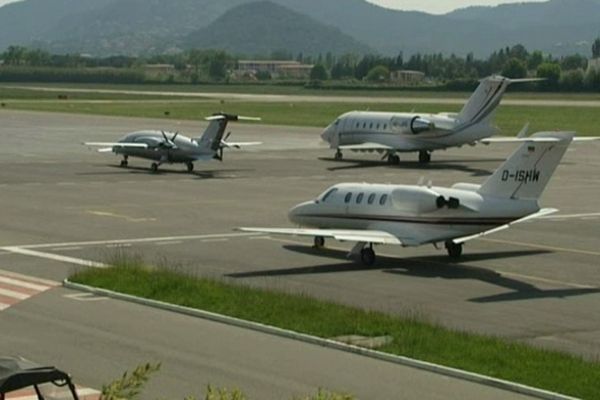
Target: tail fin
x=484, y=101
x=213, y=135
x=525, y=174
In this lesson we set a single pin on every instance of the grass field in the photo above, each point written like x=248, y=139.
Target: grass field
x=412, y=336
x=301, y=90
x=510, y=119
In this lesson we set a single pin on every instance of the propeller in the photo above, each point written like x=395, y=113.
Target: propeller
x=169, y=143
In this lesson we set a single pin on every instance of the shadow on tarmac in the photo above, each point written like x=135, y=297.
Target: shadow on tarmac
x=134, y=170
x=434, y=267
x=456, y=165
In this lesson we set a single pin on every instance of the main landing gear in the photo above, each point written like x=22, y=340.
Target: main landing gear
x=124, y=162
x=454, y=249
x=424, y=157
x=190, y=166
x=393, y=159
x=338, y=156
x=154, y=167
x=319, y=242
x=367, y=255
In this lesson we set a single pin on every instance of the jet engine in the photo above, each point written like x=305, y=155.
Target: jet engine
x=420, y=125
x=419, y=199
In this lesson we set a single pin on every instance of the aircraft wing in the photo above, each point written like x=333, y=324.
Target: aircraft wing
x=117, y=144
x=239, y=145
x=506, y=139
x=541, y=213
x=343, y=235
x=366, y=146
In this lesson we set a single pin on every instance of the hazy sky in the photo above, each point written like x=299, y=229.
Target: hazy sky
x=431, y=6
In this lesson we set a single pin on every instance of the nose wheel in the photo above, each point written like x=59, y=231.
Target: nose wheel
x=454, y=249
x=393, y=159
x=190, y=167
x=319, y=242
x=367, y=256
x=124, y=162
x=424, y=157
x=154, y=167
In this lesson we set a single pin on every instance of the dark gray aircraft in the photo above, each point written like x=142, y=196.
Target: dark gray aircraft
x=168, y=147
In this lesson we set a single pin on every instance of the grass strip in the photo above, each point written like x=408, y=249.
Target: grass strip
x=510, y=119
x=413, y=336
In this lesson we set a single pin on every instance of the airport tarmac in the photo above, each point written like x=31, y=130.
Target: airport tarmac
x=65, y=205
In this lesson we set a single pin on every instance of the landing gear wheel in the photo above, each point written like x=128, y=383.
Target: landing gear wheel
x=424, y=157
x=319, y=242
x=124, y=163
x=190, y=167
x=154, y=167
x=338, y=155
x=454, y=249
x=393, y=159
x=367, y=256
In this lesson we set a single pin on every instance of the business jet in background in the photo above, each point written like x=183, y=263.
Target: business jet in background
x=390, y=133
x=414, y=215
x=167, y=147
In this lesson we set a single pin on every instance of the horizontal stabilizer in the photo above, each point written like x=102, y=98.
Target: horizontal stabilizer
x=231, y=117
x=239, y=145
x=344, y=235
x=541, y=213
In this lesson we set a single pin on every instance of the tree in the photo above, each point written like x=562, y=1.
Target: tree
x=378, y=74
x=573, y=62
x=572, y=80
x=551, y=73
x=217, y=65
x=319, y=73
x=515, y=69
x=596, y=48
x=535, y=59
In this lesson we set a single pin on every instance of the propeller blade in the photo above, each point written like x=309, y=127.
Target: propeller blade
x=227, y=136
x=174, y=137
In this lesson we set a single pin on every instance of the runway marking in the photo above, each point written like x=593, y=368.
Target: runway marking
x=169, y=243
x=119, y=216
x=214, y=240
x=30, y=394
x=22, y=284
x=118, y=246
x=542, y=246
x=130, y=241
x=15, y=275
x=55, y=257
x=3, y=306
x=72, y=248
x=12, y=294
x=15, y=288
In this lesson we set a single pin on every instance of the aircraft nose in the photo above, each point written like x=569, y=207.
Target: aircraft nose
x=298, y=212
x=327, y=134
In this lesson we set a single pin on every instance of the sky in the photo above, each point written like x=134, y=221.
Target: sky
x=430, y=6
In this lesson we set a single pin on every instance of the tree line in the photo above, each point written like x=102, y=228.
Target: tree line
x=569, y=73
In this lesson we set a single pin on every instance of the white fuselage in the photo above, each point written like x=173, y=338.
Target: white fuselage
x=405, y=132
x=411, y=213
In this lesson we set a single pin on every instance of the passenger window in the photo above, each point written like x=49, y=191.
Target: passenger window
x=383, y=199
x=371, y=126
x=371, y=198
x=359, y=198
x=348, y=198
x=364, y=125
x=377, y=126
x=358, y=124
x=328, y=194
x=384, y=127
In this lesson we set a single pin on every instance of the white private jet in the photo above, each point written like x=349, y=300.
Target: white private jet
x=408, y=215
x=391, y=133
x=167, y=147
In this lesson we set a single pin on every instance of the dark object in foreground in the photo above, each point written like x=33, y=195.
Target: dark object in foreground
x=18, y=373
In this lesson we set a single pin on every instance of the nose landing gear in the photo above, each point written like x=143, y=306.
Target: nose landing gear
x=454, y=249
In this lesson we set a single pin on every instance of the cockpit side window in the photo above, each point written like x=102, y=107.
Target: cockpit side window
x=337, y=122
x=383, y=199
x=328, y=194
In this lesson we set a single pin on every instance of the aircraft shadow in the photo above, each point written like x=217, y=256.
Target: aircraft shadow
x=133, y=170
x=434, y=267
x=457, y=165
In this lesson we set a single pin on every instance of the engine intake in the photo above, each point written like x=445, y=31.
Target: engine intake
x=420, y=125
x=451, y=202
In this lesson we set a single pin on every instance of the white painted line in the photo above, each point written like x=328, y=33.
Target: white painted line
x=114, y=246
x=259, y=238
x=80, y=392
x=72, y=248
x=84, y=297
x=214, y=240
x=29, y=278
x=55, y=257
x=26, y=285
x=173, y=242
x=14, y=295
x=130, y=241
x=3, y=306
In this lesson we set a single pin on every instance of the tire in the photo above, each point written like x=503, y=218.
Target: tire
x=190, y=167
x=124, y=163
x=393, y=159
x=319, y=242
x=367, y=256
x=338, y=156
x=154, y=167
x=424, y=157
x=454, y=250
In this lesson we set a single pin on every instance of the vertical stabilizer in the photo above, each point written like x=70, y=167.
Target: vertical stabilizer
x=525, y=174
x=482, y=104
x=213, y=135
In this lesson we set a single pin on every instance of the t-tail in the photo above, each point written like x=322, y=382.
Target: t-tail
x=212, y=138
x=483, y=103
x=525, y=174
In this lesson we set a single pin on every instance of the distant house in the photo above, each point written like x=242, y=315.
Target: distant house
x=407, y=77
x=593, y=65
x=277, y=69
x=159, y=71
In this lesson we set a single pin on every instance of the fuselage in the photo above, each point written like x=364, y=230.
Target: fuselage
x=178, y=149
x=405, y=132
x=414, y=214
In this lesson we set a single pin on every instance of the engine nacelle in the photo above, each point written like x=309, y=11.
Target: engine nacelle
x=420, y=125
x=421, y=200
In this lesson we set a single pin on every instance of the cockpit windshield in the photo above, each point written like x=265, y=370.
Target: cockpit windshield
x=328, y=194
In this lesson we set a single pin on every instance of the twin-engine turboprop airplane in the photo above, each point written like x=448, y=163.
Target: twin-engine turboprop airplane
x=167, y=147
x=392, y=133
x=415, y=215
